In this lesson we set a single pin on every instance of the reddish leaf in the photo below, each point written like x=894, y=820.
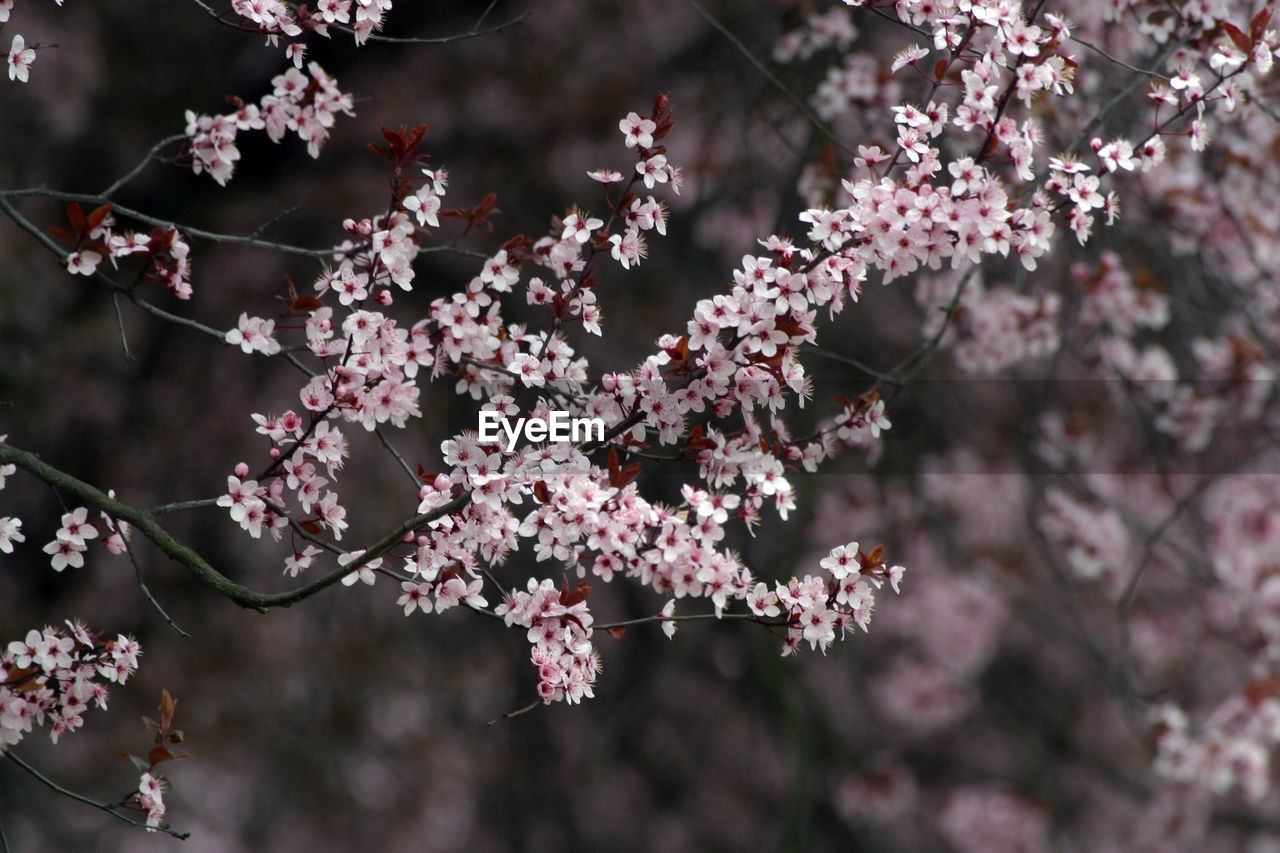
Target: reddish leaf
x=872, y=560
x=791, y=327
x=1258, y=26
x=940, y=68
x=518, y=247
x=576, y=595
x=478, y=215
x=159, y=754
x=627, y=476
x=57, y=232
x=617, y=632
x=615, y=470
x=101, y=213
x=1263, y=689
x=168, y=705
x=76, y=215
x=660, y=105
x=1242, y=41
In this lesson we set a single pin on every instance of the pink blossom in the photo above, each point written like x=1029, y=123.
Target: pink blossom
x=20, y=59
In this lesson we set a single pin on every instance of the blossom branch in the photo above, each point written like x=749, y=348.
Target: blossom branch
x=212, y=236
x=240, y=594
x=474, y=32
x=112, y=809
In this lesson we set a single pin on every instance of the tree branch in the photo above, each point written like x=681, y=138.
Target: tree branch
x=109, y=808
x=145, y=523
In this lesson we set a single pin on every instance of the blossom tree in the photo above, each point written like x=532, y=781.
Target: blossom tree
x=945, y=189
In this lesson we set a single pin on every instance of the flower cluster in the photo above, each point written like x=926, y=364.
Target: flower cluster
x=52, y=676
x=740, y=355
x=1094, y=541
x=305, y=104
x=258, y=507
x=988, y=328
x=817, y=610
x=1233, y=749
x=968, y=148
x=277, y=18
x=151, y=799
x=559, y=627
x=95, y=237
x=69, y=544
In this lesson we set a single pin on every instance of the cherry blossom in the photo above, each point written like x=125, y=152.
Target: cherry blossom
x=953, y=162
x=51, y=676
x=20, y=59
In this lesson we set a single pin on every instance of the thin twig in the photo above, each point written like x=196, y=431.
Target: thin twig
x=919, y=356
x=804, y=108
x=688, y=617
x=288, y=211
x=851, y=361
x=509, y=714
x=1117, y=99
x=187, y=230
x=109, y=808
x=181, y=321
x=28, y=226
x=142, y=585
x=474, y=32
x=181, y=506
x=1119, y=62
x=124, y=339
x=390, y=448
x=137, y=170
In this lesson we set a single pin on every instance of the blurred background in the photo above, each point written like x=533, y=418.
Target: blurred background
x=982, y=712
